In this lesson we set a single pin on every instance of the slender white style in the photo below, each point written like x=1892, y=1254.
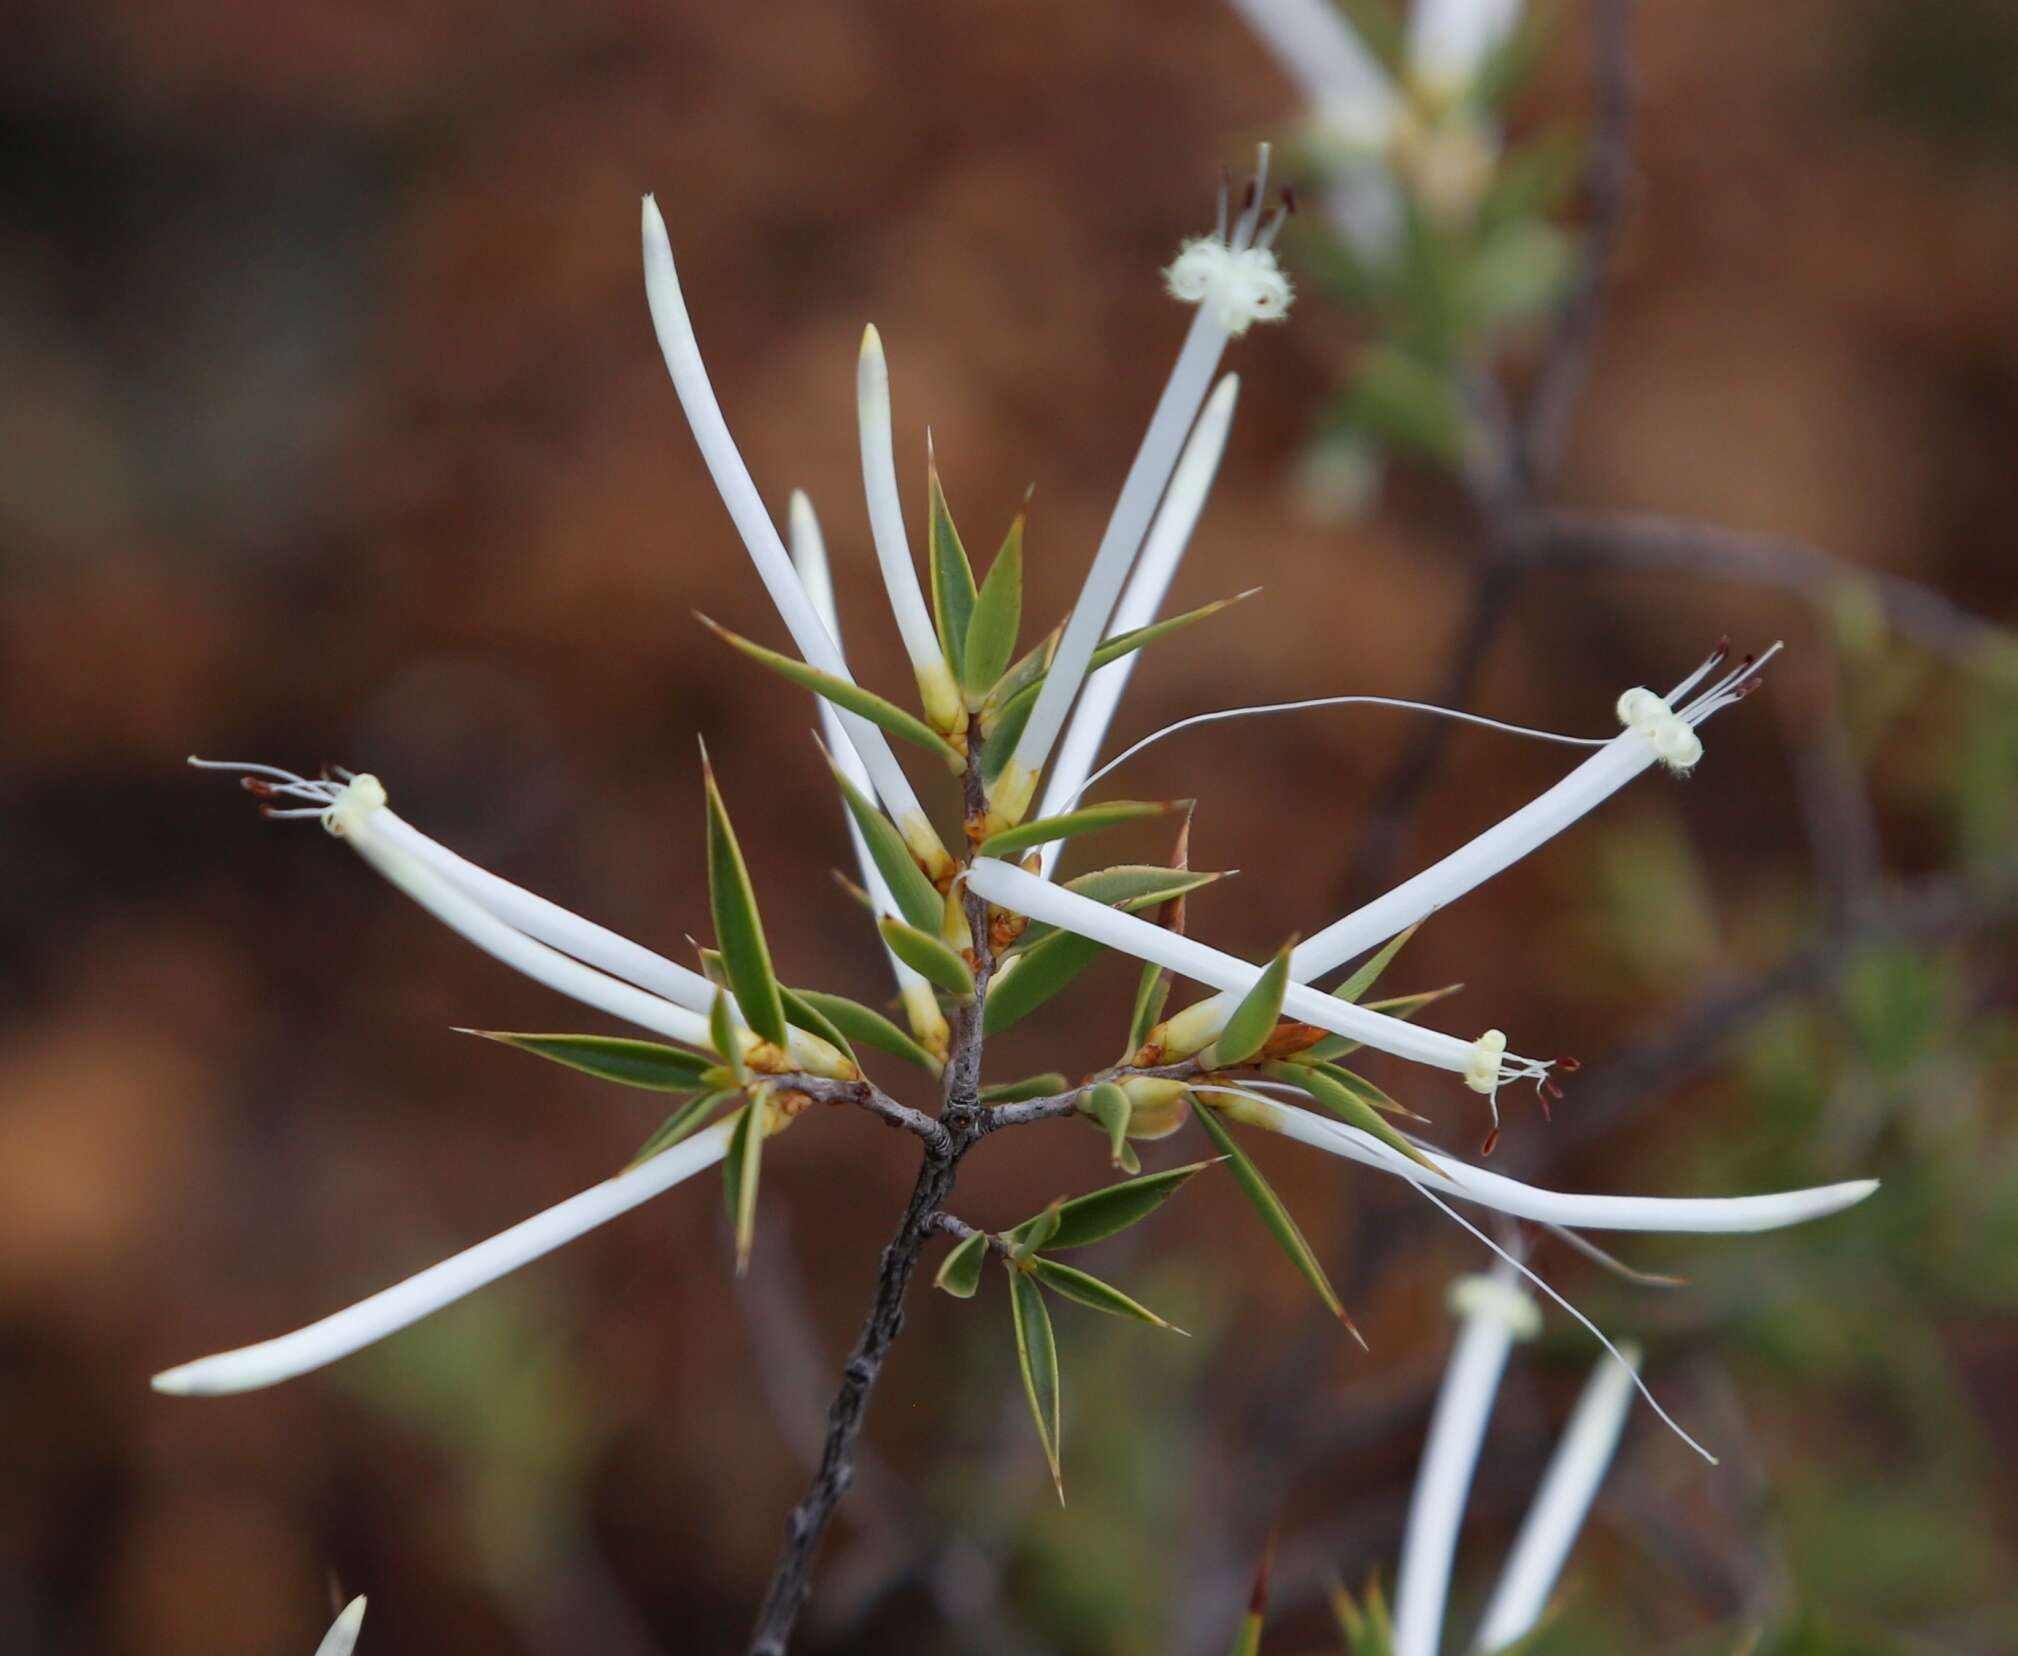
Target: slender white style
x=1024, y=893
x=370, y=1320
x=1495, y=1312
x=341, y=1639
x=1630, y=754
x=746, y=508
x=1553, y=1523
x=1237, y=288
x=809, y=554
x=1450, y=40
x=893, y=550
x=1141, y=599
x=1674, y=1215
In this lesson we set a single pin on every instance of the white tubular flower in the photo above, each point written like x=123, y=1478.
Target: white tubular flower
x=774, y=567
x=1495, y=1313
x=1232, y=290
x=1024, y=893
x=1673, y=1215
x=1164, y=549
x=251, y=1367
x=941, y=696
x=1568, y=1487
x=341, y=1639
x=1314, y=45
x=1627, y=756
x=1450, y=40
x=809, y=554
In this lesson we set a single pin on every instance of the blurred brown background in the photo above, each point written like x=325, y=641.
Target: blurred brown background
x=332, y=428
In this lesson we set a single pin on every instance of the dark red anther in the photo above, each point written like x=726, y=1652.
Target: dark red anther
x=1550, y=1090
x=1746, y=688
x=1491, y=1143
x=254, y=786
x=1289, y=199
x=1247, y=195
x=1568, y=1065
x=1548, y=1115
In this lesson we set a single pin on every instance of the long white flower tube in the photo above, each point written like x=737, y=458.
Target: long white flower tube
x=1234, y=282
x=1147, y=586
x=746, y=507
x=809, y=554
x=1678, y=1215
x=1024, y=893
x=341, y=1639
x=1568, y=1487
x=1495, y=1312
x=1450, y=40
x=370, y=1320
x=936, y=688
x=1630, y=754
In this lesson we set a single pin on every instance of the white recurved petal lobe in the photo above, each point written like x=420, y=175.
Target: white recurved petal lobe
x=271, y=1361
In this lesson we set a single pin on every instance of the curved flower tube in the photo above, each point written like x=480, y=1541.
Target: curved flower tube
x=252, y=1367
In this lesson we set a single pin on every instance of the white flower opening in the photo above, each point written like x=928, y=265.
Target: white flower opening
x=1144, y=486
x=732, y=479
x=1496, y=1312
x=271, y=1361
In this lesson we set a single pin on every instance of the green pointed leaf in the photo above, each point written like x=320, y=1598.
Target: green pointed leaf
x=1087, y=1290
x=1261, y=1194
x=844, y=693
x=1037, y=1358
x=647, y=1064
x=738, y=929
x=1109, y=1105
x=1130, y=887
x=682, y=1123
x=951, y=575
x=722, y=1033
x=997, y=618
x=1103, y=1213
x=1037, y=974
x=1029, y=667
x=1254, y=1019
x=928, y=956
x=741, y=1167
x=1152, y=994
x=1369, y=970
x=1366, y=1629
x=1121, y=644
x=1345, y=1103
x=917, y=897
x=1247, y=1642
x=1036, y=1232
x=1005, y=730
x=870, y=1027
x=1405, y=403
x=960, y=1271
x=802, y=1013
x=1399, y=1006
x=1360, y=1087
x=1031, y=1086
x=1012, y=841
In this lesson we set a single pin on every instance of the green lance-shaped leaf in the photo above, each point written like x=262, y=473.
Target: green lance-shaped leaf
x=1254, y=1019
x=1367, y=1092
x=1036, y=1232
x=960, y=1271
x=1129, y=887
x=917, y=897
x=1261, y=1194
x=1365, y=1625
x=741, y=1167
x=1369, y=970
x=1247, y=1642
x=682, y=1123
x=722, y=1035
x=1152, y=994
x=1100, y=1214
x=951, y=574
x=844, y=693
x=1037, y=1357
x=1040, y=972
x=738, y=929
x=1406, y=404
x=1343, y=1102
x=1013, y=842
x=1005, y=730
x=1090, y=1291
x=1031, y=1086
x=867, y=1025
x=997, y=618
x=1397, y=1006
x=647, y=1064
x=802, y=1013
x=1140, y=638
x=1109, y=1105
x=927, y=955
